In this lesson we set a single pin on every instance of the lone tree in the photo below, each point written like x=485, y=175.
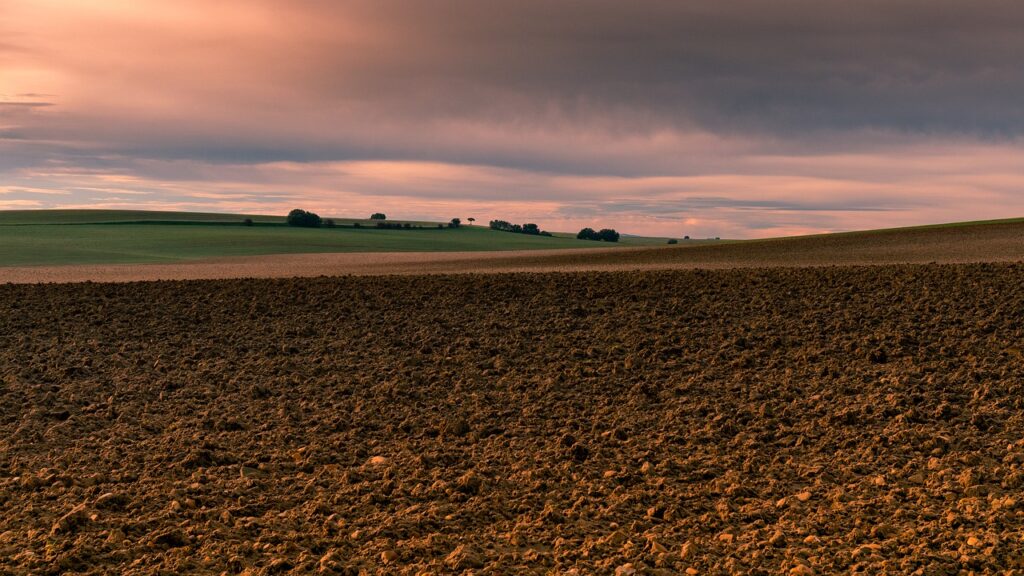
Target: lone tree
x=378, y=216
x=471, y=220
x=303, y=219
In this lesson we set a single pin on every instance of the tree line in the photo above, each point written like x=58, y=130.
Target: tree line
x=531, y=229
x=305, y=219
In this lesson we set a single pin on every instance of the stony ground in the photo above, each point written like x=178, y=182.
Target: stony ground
x=785, y=421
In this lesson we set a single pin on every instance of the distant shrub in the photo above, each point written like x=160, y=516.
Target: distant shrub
x=673, y=241
x=605, y=234
x=686, y=237
x=357, y=225
x=407, y=226
x=440, y=225
x=247, y=222
x=529, y=228
x=455, y=223
x=378, y=216
x=304, y=219
x=329, y=223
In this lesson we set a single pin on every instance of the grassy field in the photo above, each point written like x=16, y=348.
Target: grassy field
x=35, y=217
x=58, y=237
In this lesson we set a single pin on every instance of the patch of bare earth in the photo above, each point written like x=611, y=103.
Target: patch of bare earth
x=758, y=421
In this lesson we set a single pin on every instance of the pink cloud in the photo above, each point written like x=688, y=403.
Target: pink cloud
x=707, y=121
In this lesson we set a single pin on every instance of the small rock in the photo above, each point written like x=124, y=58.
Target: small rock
x=615, y=539
x=278, y=566
x=456, y=428
x=801, y=570
x=463, y=558
x=377, y=461
x=656, y=512
x=692, y=571
x=115, y=537
x=778, y=539
x=726, y=537
x=973, y=542
x=688, y=549
x=111, y=501
x=969, y=478
x=866, y=549
x=169, y=539
x=249, y=472
x=388, y=556
x=70, y=521
x=469, y=483
x=329, y=562
x=625, y=570
x=804, y=496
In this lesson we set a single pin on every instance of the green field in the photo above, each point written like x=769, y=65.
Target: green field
x=57, y=237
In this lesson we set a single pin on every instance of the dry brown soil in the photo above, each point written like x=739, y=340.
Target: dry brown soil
x=986, y=242
x=760, y=421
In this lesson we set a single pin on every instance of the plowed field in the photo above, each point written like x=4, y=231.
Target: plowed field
x=758, y=421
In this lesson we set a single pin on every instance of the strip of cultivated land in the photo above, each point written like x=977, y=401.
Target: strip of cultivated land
x=1000, y=241
x=757, y=421
x=118, y=237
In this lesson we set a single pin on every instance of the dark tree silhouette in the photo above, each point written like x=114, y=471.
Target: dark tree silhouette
x=303, y=219
x=605, y=234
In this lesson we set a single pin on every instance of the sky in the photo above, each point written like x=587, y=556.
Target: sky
x=729, y=118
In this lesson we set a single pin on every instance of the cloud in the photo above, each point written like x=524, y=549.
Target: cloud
x=743, y=116
x=16, y=105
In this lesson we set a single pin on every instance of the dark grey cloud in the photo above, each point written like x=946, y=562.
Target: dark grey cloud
x=804, y=75
x=785, y=66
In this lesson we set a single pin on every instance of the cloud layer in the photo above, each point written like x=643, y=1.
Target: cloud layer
x=726, y=118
